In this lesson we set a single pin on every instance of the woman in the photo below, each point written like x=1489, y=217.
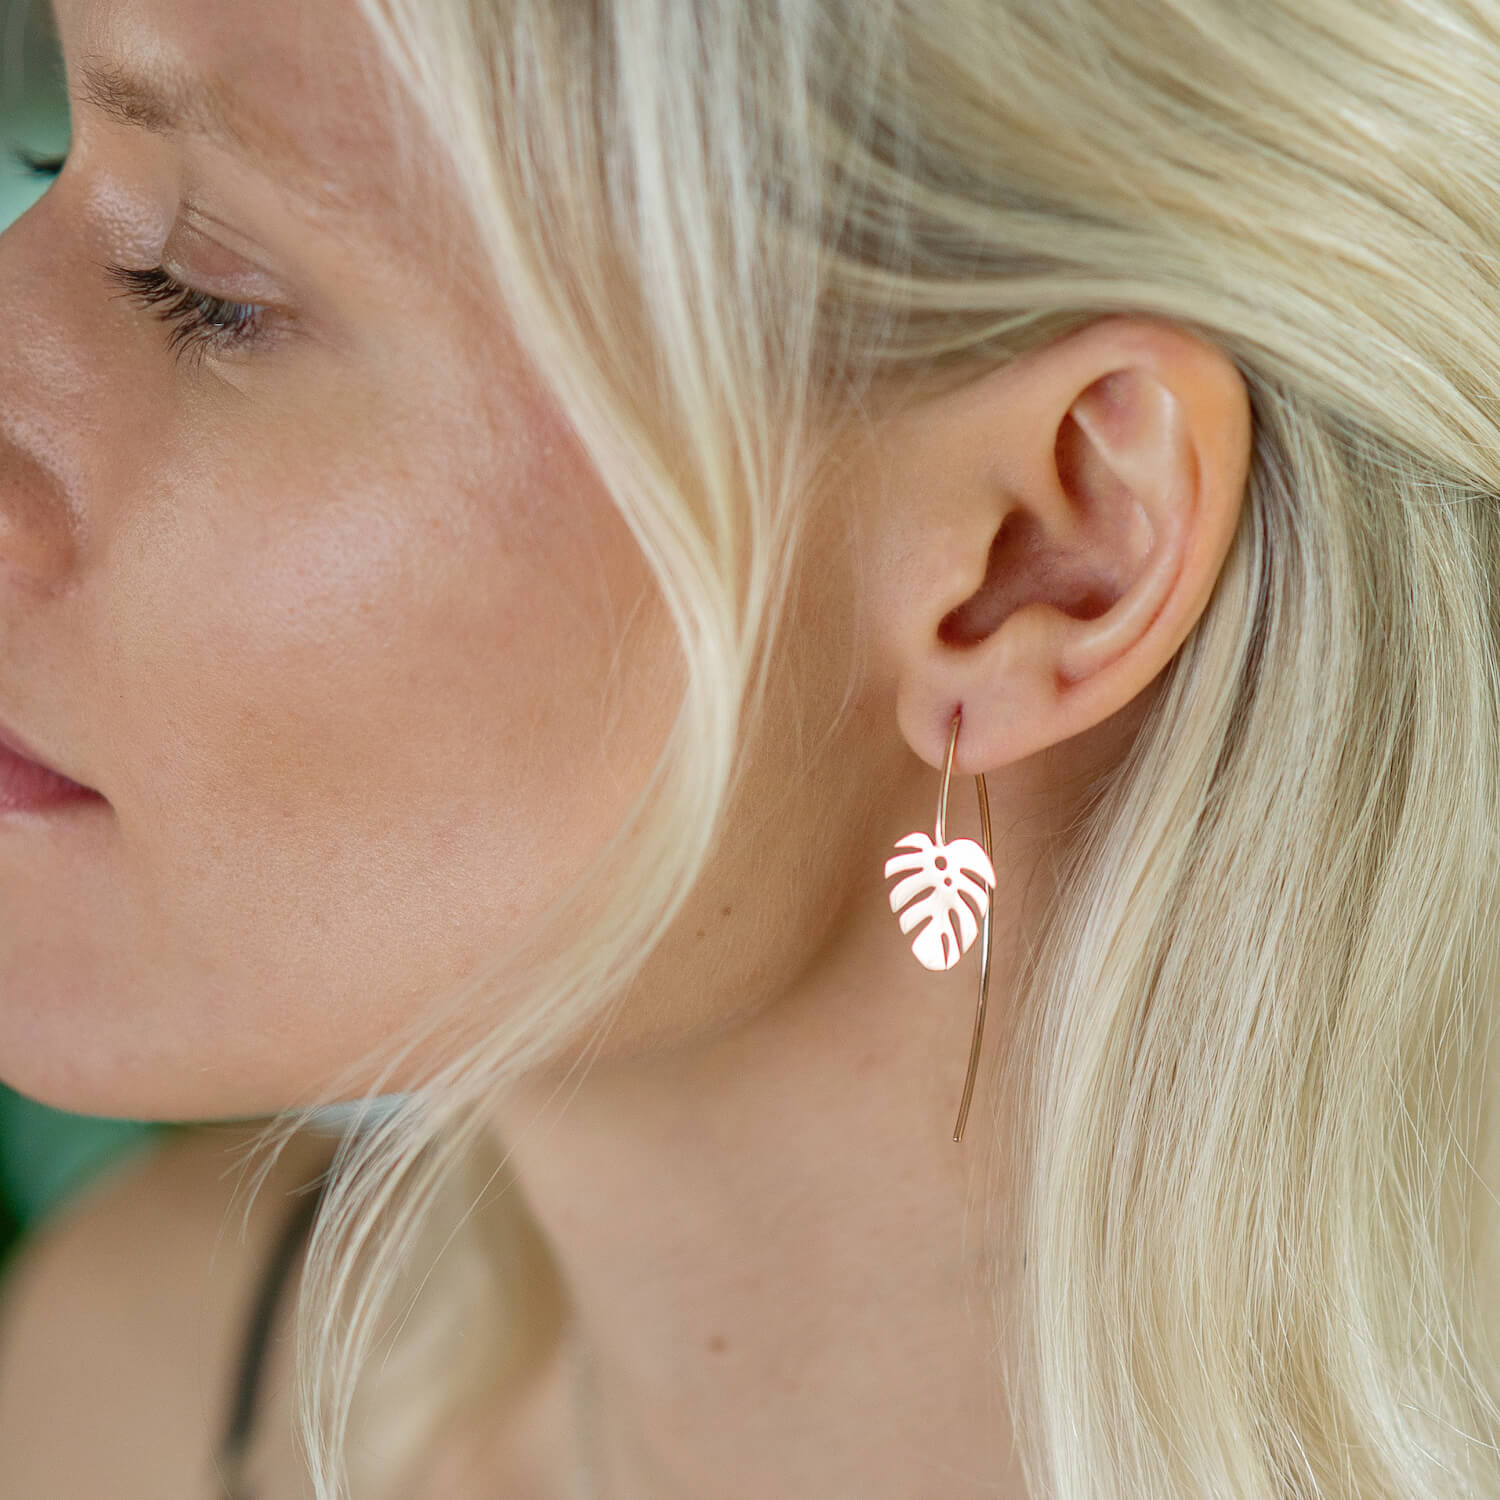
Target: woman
x=517, y=515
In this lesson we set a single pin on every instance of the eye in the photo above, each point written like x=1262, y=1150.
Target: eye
x=200, y=323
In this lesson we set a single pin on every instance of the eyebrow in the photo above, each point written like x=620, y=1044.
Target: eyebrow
x=160, y=102
x=166, y=102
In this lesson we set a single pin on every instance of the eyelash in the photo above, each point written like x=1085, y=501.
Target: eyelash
x=200, y=323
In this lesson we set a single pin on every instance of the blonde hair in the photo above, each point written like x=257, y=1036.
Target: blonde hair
x=1248, y=1089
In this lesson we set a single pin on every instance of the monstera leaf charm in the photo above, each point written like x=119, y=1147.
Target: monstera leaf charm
x=942, y=875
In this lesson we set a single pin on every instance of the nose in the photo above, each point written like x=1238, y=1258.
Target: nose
x=41, y=413
x=38, y=535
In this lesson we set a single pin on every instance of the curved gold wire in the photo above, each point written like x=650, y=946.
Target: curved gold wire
x=989, y=906
x=984, y=968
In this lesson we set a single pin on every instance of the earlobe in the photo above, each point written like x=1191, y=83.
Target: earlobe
x=1125, y=451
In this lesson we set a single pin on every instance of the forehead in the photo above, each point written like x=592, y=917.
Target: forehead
x=296, y=88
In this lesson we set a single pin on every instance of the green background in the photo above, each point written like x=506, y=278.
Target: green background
x=44, y=1155
x=33, y=101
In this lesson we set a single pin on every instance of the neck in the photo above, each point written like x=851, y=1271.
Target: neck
x=782, y=1265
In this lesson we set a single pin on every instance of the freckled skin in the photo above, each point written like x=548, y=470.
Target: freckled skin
x=338, y=629
x=348, y=632
x=317, y=621
x=330, y=624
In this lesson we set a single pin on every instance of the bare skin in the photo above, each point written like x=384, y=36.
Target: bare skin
x=228, y=601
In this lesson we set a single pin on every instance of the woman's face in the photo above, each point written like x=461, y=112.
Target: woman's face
x=327, y=617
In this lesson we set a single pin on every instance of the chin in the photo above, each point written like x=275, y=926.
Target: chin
x=86, y=1053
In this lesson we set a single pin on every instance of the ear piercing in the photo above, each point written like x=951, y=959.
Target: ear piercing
x=941, y=879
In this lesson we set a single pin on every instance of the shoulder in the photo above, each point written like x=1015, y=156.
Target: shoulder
x=121, y=1320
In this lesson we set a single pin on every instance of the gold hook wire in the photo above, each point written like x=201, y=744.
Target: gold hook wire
x=989, y=906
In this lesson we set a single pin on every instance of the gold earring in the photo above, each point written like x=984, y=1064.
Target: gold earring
x=943, y=874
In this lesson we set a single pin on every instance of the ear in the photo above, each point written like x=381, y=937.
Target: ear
x=1052, y=532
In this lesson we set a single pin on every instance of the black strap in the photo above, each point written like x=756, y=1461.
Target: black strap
x=235, y=1444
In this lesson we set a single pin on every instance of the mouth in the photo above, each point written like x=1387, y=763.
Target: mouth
x=30, y=785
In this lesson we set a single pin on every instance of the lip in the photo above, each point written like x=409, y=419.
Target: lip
x=29, y=784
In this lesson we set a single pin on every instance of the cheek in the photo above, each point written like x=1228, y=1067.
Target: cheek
x=364, y=715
